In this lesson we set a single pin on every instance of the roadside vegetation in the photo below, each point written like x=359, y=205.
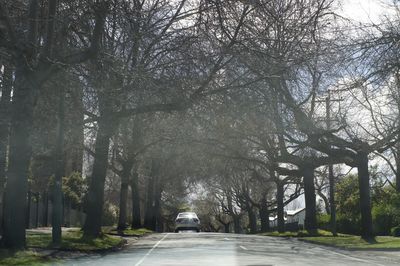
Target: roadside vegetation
x=74, y=241
x=23, y=258
x=347, y=241
x=357, y=242
x=301, y=233
x=128, y=232
x=385, y=218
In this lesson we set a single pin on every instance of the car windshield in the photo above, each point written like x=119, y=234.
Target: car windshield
x=187, y=215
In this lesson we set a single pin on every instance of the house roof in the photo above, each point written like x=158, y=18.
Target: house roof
x=294, y=212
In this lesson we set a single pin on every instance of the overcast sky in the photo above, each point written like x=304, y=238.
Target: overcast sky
x=365, y=11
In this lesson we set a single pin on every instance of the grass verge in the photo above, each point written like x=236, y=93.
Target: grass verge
x=22, y=258
x=302, y=233
x=356, y=242
x=71, y=241
x=129, y=232
x=74, y=241
x=344, y=241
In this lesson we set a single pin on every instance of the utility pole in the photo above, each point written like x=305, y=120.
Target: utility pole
x=331, y=176
x=330, y=170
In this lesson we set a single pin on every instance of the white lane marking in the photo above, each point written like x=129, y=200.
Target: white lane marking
x=242, y=247
x=151, y=250
x=350, y=257
x=226, y=238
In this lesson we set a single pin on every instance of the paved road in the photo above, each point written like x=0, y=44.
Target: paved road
x=206, y=249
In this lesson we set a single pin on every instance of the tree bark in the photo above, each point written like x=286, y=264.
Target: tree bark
x=264, y=215
x=136, y=217
x=19, y=158
x=398, y=168
x=149, y=211
x=365, y=197
x=28, y=211
x=252, y=220
x=158, y=223
x=309, y=194
x=45, y=201
x=280, y=207
x=37, y=198
x=57, y=210
x=236, y=224
x=236, y=218
x=95, y=197
x=123, y=199
x=227, y=227
x=326, y=201
x=4, y=131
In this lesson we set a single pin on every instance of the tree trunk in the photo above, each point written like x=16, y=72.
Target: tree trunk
x=149, y=211
x=37, y=198
x=280, y=207
x=136, y=217
x=252, y=220
x=236, y=218
x=227, y=227
x=28, y=211
x=19, y=158
x=57, y=210
x=398, y=169
x=158, y=223
x=4, y=131
x=264, y=215
x=309, y=194
x=236, y=224
x=123, y=199
x=95, y=197
x=365, y=198
x=45, y=200
x=326, y=201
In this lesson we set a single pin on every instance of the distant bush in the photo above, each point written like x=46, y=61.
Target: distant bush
x=345, y=225
x=395, y=231
x=323, y=221
x=385, y=210
x=348, y=225
x=383, y=218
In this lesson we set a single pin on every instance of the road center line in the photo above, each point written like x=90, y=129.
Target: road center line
x=151, y=250
x=242, y=247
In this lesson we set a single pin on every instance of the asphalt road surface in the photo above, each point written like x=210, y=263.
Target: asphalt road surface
x=206, y=249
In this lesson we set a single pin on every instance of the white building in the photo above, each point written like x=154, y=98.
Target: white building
x=298, y=216
x=291, y=216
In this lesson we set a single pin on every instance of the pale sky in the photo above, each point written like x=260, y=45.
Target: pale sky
x=366, y=11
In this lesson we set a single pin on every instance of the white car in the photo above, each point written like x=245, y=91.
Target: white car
x=187, y=221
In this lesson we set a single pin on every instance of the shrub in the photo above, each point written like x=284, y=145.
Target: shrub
x=395, y=231
x=383, y=217
x=348, y=226
x=323, y=221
